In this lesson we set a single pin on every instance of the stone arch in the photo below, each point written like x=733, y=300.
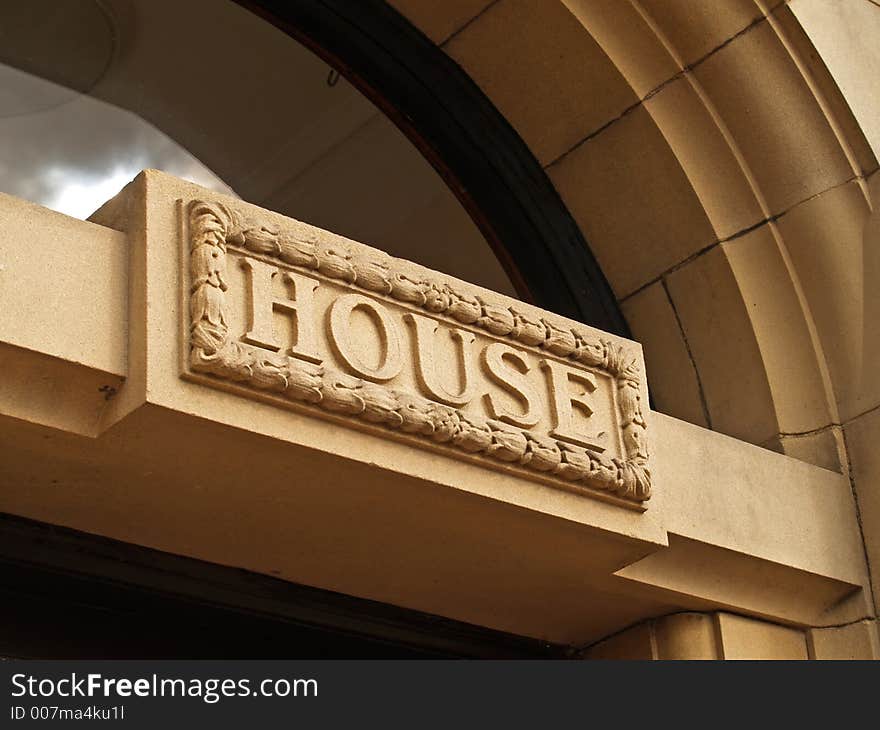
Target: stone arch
x=720, y=178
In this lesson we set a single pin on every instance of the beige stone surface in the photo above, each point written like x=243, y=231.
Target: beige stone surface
x=708, y=155
x=871, y=302
x=739, y=539
x=64, y=295
x=828, y=93
x=731, y=494
x=436, y=20
x=862, y=436
x=49, y=391
x=745, y=638
x=630, y=40
x=826, y=239
x=782, y=323
x=845, y=35
x=695, y=575
x=634, y=203
x=702, y=636
x=73, y=314
x=751, y=332
x=771, y=111
x=671, y=373
x=635, y=643
x=724, y=346
x=823, y=448
x=686, y=636
x=855, y=641
x=544, y=73
x=696, y=29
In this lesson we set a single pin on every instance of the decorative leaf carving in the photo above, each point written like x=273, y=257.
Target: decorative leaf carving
x=214, y=225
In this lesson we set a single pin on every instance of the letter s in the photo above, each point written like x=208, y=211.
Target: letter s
x=512, y=379
x=15, y=681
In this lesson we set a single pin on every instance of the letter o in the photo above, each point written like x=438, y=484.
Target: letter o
x=391, y=359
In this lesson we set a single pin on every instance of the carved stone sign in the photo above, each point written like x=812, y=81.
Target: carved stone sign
x=318, y=322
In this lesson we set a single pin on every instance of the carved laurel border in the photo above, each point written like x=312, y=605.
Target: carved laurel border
x=214, y=225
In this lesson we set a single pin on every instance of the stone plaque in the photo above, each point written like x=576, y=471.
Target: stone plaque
x=313, y=321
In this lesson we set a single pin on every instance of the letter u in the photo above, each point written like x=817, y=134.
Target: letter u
x=424, y=330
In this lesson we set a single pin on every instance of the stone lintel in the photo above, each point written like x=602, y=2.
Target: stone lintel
x=499, y=475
